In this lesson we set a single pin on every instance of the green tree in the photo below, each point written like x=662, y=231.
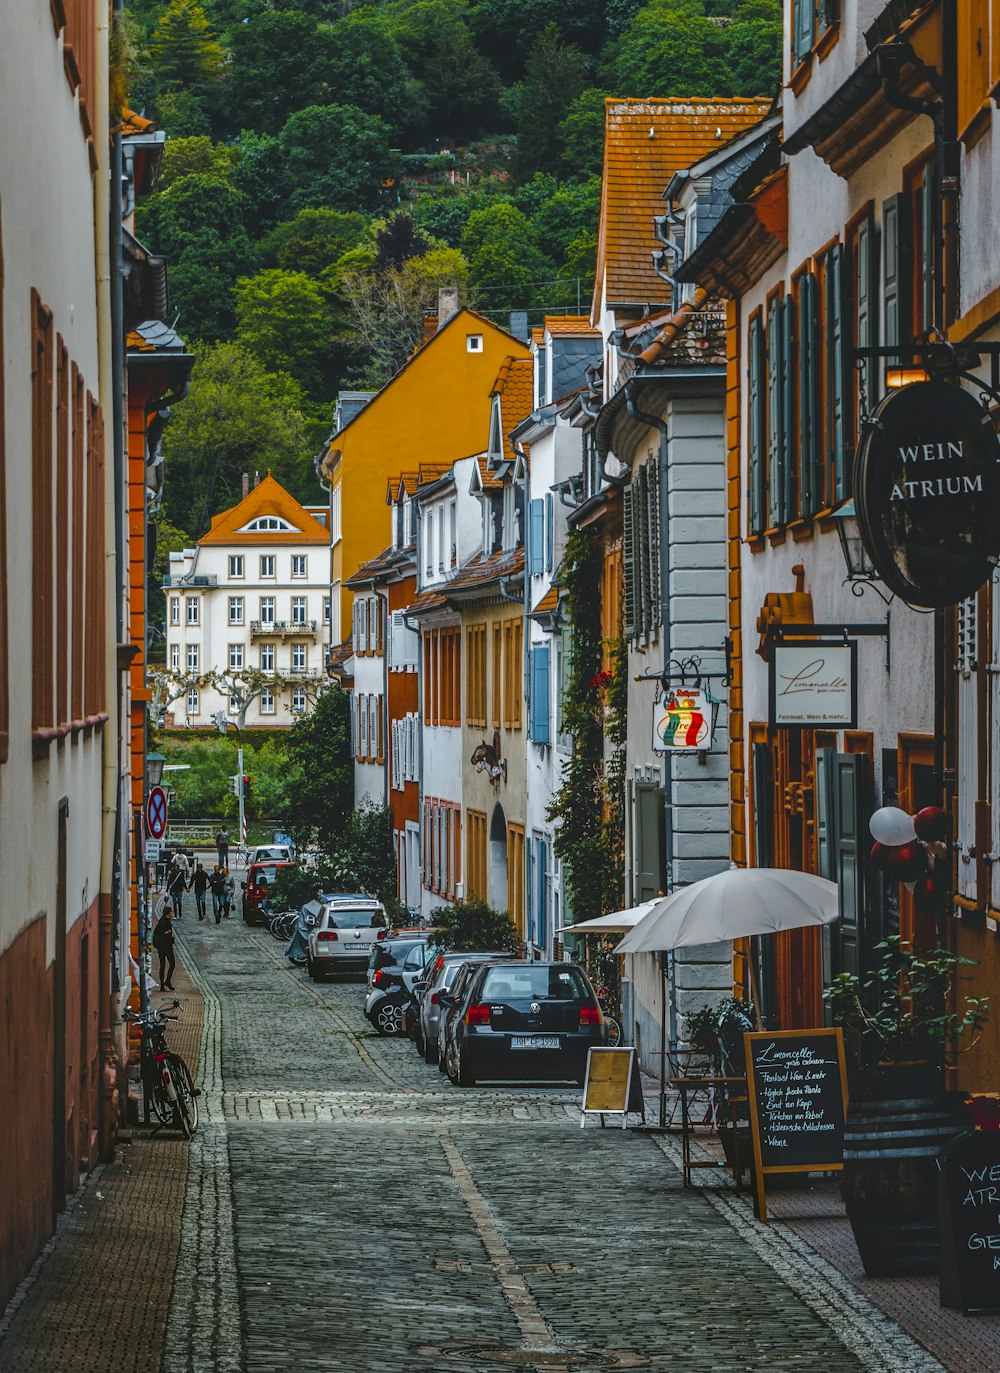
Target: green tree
x=506, y=30
x=184, y=48
x=555, y=73
x=195, y=156
x=573, y=210
x=312, y=240
x=320, y=790
x=460, y=87
x=755, y=39
x=338, y=156
x=262, y=179
x=507, y=269
x=238, y=417
x=366, y=69
x=673, y=48
x=169, y=539
x=283, y=318
x=580, y=135
x=280, y=65
x=472, y=926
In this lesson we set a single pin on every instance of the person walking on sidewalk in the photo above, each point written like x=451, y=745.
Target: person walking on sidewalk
x=228, y=892
x=163, y=943
x=222, y=845
x=218, y=884
x=200, y=884
x=176, y=886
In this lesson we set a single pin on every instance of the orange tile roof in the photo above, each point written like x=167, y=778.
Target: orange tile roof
x=480, y=572
x=406, y=480
x=570, y=324
x=515, y=385
x=489, y=481
x=133, y=122
x=645, y=142
x=432, y=472
x=341, y=653
x=427, y=600
x=381, y=567
x=550, y=601
x=537, y=336
x=268, y=498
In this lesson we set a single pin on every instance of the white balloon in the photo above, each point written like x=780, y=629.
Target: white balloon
x=892, y=826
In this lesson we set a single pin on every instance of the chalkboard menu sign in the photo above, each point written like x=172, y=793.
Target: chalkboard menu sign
x=797, y=1088
x=969, y=1200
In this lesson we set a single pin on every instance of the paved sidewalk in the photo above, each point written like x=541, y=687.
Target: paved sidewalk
x=98, y=1297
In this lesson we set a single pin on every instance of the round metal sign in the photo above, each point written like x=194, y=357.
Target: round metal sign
x=156, y=813
x=927, y=493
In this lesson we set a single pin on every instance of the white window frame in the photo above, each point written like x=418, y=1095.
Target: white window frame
x=268, y=524
x=267, y=567
x=175, y=610
x=300, y=609
x=299, y=565
x=193, y=701
x=271, y=616
x=236, y=567
x=473, y=343
x=298, y=700
x=235, y=703
x=191, y=657
x=326, y=609
x=175, y=657
x=193, y=610
x=267, y=649
x=236, y=609
x=300, y=651
x=267, y=701
x=235, y=657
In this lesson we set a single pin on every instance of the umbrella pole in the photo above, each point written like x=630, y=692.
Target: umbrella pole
x=663, y=1042
x=755, y=995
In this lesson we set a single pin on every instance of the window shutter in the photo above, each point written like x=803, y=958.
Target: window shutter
x=550, y=520
x=804, y=26
x=835, y=336
x=850, y=838
x=756, y=476
x=363, y=718
x=394, y=756
x=536, y=539
x=774, y=412
x=865, y=291
x=541, y=903
x=763, y=800
x=653, y=539
x=629, y=561
x=926, y=284
x=896, y=249
x=786, y=510
x=808, y=447
x=540, y=694
x=640, y=533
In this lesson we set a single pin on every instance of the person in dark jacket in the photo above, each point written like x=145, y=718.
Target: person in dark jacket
x=163, y=943
x=218, y=883
x=222, y=846
x=176, y=886
x=200, y=884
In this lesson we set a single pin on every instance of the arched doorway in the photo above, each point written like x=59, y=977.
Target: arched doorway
x=497, y=886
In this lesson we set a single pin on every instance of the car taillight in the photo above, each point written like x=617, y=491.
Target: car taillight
x=381, y=934
x=327, y=935
x=590, y=1015
x=434, y=999
x=477, y=1015
x=378, y=977
x=437, y=965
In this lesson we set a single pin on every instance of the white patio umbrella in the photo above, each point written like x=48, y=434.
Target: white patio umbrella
x=617, y=922
x=732, y=905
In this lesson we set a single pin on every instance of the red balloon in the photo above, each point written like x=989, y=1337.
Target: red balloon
x=931, y=824
x=907, y=863
x=880, y=855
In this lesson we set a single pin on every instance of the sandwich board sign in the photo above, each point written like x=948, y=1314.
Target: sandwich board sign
x=797, y=1090
x=612, y=1086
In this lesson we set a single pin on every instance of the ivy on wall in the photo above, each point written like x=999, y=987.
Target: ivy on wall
x=588, y=808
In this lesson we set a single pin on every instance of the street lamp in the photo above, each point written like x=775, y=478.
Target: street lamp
x=155, y=763
x=860, y=568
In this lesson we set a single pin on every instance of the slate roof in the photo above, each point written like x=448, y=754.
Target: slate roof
x=645, y=143
x=153, y=336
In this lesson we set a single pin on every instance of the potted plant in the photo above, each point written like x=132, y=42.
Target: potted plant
x=898, y=1034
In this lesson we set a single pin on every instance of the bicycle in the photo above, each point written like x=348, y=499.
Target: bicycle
x=611, y=1022
x=283, y=924
x=167, y=1085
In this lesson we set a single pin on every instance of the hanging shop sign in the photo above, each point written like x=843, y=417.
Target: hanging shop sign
x=813, y=684
x=927, y=491
x=682, y=720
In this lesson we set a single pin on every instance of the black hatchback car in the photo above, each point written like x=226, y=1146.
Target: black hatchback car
x=522, y=1020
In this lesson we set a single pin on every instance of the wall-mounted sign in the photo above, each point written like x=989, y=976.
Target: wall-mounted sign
x=813, y=684
x=682, y=719
x=927, y=489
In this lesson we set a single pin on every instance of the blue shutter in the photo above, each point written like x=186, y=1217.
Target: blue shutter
x=756, y=477
x=536, y=538
x=550, y=531
x=541, y=905
x=529, y=912
x=803, y=22
x=540, y=693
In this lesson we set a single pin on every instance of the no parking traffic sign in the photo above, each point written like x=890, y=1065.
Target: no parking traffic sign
x=156, y=813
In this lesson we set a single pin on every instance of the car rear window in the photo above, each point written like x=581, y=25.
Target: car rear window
x=346, y=919
x=540, y=983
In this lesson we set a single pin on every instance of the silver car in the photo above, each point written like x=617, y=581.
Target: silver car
x=344, y=929
x=440, y=976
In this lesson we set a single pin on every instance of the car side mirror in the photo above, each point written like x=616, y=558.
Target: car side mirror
x=446, y=999
x=420, y=985
x=243, y=885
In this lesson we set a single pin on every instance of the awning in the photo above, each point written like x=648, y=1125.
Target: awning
x=618, y=922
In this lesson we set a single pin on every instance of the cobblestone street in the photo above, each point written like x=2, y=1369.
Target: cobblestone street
x=346, y=1208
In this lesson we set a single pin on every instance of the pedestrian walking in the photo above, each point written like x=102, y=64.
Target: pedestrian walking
x=218, y=884
x=228, y=892
x=176, y=886
x=163, y=943
x=222, y=844
x=199, y=884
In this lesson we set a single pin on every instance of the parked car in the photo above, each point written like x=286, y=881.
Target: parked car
x=256, y=889
x=519, y=1020
x=448, y=1004
x=402, y=954
x=270, y=853
x=345, y=927
x=439, y=976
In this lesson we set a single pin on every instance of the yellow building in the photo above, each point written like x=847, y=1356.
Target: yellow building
x=435, y=408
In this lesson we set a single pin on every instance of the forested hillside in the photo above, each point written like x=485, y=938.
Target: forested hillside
x=330, y=165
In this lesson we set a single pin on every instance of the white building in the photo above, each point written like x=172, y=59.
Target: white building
x=247, y=613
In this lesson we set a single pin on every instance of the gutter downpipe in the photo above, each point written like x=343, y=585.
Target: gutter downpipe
x=669, y=971
x=383, y=596
x=107, y=212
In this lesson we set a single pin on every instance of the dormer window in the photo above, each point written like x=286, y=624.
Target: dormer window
x=268, y=524
x=473, y=343
x=494, y=452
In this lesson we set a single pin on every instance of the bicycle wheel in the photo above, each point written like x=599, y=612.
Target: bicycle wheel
x=614, y=1031
x=163, y=1107
x=187, y=1102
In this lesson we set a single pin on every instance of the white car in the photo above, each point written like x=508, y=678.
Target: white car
x=344, y=928
x=270, y=853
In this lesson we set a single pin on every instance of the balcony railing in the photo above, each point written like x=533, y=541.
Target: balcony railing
x=284, y=629
x=180, y=581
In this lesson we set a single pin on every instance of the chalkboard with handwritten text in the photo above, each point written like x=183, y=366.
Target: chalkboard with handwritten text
x=797, y=1086
x=969, y=1197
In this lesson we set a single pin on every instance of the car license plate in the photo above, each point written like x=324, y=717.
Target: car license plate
x=357, y=946
x=534, y=1042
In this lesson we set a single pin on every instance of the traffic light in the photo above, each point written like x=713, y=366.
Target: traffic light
x=246, y=783
x=234, y=784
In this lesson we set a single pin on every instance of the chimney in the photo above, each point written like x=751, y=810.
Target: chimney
x=256, y=480
x=519, y=324
x=245, y=483
x=447, y=304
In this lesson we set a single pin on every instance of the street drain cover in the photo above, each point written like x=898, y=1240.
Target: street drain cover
x=591, y=1360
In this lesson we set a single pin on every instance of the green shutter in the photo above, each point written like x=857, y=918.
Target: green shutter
x=804, y=26
x=653, y=539
x=763, y=802
x=787, y=464
x=809, y=496
x=848, y=790
x=865, y=269
x=650, y=861
x=896, y=251
x=837, y=460
x=640, y=519
x=756, y=476
x=774, y=413
x=926, y=283
x=628, y=558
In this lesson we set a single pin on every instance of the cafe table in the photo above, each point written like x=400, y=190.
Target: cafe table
x=733, y=1092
